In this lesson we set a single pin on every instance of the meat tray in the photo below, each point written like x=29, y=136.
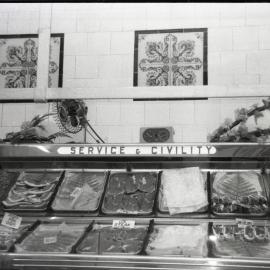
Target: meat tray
x=7, y=180
x=187, y=240
x=8, y=236
x=238, y=240
x=235, y=193
x=162, y=203
x=130, y=193
x=104, y=239
x=80, y=191
x=32, y=191
x=51, y=238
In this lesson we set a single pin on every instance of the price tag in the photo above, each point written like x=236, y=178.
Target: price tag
x=49, y=240
x=76, y=192
x=11, y=221
x=242, y=223
x=120, y=224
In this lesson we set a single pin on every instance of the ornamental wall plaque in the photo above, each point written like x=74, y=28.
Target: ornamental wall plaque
x=170, y=57
x=18, y=61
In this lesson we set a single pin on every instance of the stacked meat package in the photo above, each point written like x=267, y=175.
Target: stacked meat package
x=182, y=191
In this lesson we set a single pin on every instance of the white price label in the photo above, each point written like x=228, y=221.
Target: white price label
x=242, y=223
x=76, y=192
x=11, y=221
x=50, y=240
x=130, y=224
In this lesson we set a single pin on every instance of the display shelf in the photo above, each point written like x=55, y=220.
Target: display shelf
x=209, y=157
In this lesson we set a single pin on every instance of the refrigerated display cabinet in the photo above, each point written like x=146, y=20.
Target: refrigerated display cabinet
x=231, y=232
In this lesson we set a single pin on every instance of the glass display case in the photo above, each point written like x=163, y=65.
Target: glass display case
x=135, y=206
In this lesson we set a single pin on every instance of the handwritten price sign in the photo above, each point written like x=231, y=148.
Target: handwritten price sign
x=50, y=240
x=11, y=221
x=120, y=224
x=242, y=223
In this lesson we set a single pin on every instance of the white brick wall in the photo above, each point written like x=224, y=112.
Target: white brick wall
x=182, y=112
x=33, y=109
x=108, y=113
x=233, y=14
x=76, y=44
x=1, y=114
x=99, y=48
x=86, y=67
x=13, y=114
x=132, y=113
x=220, y=39
x=264, y=37
x=122, y=43
x=245, y=38
x=99, y=43
x=157, y=113
x=69, y=66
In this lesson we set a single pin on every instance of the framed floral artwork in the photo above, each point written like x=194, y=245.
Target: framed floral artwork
x=18, y=61
x=170, y=57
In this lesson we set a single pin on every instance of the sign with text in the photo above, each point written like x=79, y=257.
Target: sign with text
x=137, y=150
x=242, y=223
x=11, y=221
x=50, y=240
x=120, y=224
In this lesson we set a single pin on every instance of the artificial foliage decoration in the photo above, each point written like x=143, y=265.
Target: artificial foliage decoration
x=31, y=132
x=237, y=130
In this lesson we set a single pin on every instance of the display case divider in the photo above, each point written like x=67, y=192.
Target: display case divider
x=209, y=193
x=61, y=179
x=155, y=206
x=129, y=167
x=147, y=237
x=79, y=241
x=99, y=210
x=266, y=183
x=209, y=242
x=25, y=234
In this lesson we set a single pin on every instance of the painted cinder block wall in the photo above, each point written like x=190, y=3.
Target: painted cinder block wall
x=99, y=50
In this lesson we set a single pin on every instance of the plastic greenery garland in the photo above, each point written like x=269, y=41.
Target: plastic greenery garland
x=237, y=130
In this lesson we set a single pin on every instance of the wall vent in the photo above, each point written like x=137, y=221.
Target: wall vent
x=156, y=135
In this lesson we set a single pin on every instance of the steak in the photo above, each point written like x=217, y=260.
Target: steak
x=65, y=237
x=30, y=192
x=89, y=185
x=130, y=193
x=118, y=241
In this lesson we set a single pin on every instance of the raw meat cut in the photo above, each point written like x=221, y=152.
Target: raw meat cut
x=9, y=235
x=182, y=240
x=114, y=240
x=238, y=193
x=243, y=241
x=51, y=238
x=80, y=191
x=130, y=193
x=32, y=190
x=7, y=180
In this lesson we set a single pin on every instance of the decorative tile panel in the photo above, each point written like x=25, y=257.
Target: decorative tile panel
x=170, y=57
x=18, y=61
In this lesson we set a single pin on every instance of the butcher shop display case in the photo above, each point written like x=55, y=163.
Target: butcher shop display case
x=135, y=206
